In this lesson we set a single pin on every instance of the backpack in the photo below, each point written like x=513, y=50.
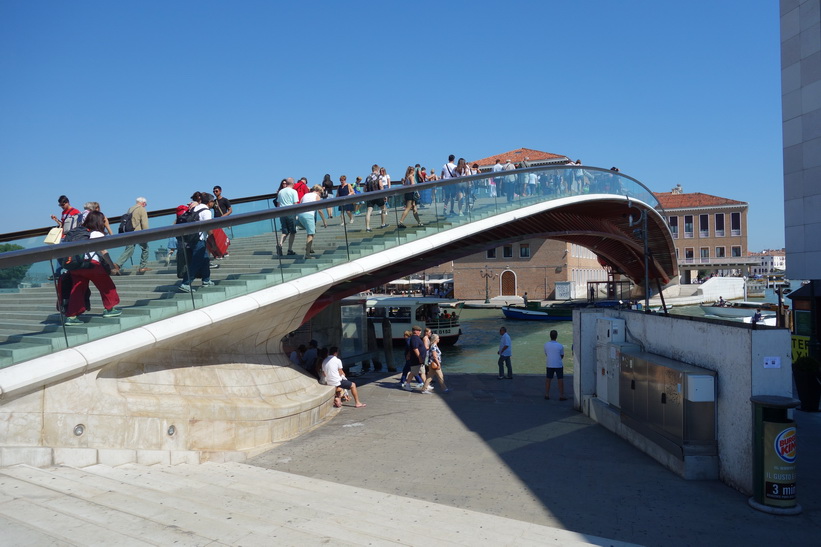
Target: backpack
x=191, y=215
x=126, y=222
x=75, y=262
x=372, y=183
x=71, y=222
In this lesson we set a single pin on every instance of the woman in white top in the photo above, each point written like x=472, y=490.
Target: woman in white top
x=96, y=273
x=199, y=265
x=434, y=362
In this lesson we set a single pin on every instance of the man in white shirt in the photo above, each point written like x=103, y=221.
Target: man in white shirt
x=452, y=192
x=554, y=352
x=510, y=181
x=335, y=376
x=495, y=182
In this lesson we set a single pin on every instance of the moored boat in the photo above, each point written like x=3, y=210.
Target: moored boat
x=441, y=315
x=541, y=314
x=737, y=309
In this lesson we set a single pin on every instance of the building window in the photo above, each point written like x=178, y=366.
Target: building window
x=507, y=251
x=705, y=255
x=674, y=226
x=524, y=250
x=676, y=253
x=719, y=225
x=688, y=255
x=720, y=252
x=735, y=224
x=688, y=226
x=736, y=250
x=703, y=225
x=490, y=253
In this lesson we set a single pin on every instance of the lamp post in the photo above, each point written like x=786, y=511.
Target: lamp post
x=488, y=275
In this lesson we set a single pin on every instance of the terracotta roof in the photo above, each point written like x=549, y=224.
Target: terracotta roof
x=695, y=200
x=534, y=156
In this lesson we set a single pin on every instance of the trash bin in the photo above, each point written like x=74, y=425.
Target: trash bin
x=774, y=455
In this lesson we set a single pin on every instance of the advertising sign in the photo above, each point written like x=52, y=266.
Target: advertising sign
x=779, y=464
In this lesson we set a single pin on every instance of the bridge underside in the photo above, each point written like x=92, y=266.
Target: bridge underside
x=214, y=382
x=602, y=225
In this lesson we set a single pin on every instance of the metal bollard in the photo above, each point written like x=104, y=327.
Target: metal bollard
x=774, y=455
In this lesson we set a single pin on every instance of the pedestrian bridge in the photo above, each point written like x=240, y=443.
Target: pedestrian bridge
x=203, y=374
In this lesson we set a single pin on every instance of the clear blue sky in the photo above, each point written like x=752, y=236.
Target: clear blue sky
x=106, y=100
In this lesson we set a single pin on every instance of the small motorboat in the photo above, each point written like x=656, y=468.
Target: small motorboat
x=543, y=313
x=738, y=309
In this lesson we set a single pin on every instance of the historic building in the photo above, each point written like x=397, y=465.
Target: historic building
x=531, y=265
x=769, y=261
x=710, y=233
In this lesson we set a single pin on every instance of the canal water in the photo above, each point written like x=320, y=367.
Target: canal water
x=475, y=352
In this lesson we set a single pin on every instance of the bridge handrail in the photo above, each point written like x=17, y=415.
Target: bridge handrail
x=30, y=328
x=50, y=252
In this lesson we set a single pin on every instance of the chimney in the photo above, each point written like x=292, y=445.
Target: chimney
x=677, y=190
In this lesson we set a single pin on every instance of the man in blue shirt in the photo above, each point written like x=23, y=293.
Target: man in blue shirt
x=504, y=355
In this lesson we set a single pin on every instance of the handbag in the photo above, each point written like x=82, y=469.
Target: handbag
x=55, y=235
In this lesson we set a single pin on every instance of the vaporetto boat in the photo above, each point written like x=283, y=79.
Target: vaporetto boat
x=441, y=315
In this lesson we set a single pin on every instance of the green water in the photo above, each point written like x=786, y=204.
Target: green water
x=475, y=352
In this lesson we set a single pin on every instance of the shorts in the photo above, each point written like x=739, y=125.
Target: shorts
x=288, y=225
x=376, y=202
x=416, y=369
x=345, y=383
x=558, y=372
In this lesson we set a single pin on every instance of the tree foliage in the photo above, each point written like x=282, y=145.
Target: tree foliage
x=11, y=277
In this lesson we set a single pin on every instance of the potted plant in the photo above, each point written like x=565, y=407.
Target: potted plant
x=806, y=371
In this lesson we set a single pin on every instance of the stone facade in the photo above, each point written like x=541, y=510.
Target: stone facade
x=801, y=129
x=710, y=233
x=531, y=265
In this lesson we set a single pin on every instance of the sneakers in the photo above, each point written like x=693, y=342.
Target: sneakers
x=279, y=250
x=384, y=226
x=73, y=321
x=208, y=283
x=113, y=312
x=402, y=226
x=185, y=288
x=291, y=253
x=368, y=230
x=427, y=391
x=407, y=387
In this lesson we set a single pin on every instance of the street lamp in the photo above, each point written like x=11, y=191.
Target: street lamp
x=488, y=275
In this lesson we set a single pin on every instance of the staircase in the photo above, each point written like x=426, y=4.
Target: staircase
x=30, y=325
x=236, y=504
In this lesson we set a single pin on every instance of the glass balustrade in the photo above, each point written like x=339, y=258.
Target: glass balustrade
x=32, y=323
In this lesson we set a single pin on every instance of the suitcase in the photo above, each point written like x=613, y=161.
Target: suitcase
x=217, y=243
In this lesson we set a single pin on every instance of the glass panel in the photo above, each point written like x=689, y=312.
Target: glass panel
x=31, y=325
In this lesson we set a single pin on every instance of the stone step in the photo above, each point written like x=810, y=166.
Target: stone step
x=232, y=503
